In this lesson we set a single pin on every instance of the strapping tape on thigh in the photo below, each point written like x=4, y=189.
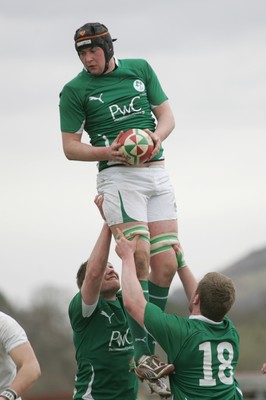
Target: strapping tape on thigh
x=163, y=242
x=141, y=230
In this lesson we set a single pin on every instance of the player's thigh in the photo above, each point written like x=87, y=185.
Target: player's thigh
x=162, y=203
x=162, y=227
x=162, y=222
x=125, y=199
x=142, y=253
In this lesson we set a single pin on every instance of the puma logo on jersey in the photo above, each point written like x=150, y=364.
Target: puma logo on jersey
x=107, y=316
x=94, y=98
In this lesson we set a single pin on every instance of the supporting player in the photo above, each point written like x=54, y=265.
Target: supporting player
x=204, y=347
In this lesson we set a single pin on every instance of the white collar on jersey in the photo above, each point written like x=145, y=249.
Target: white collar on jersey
x=204, y=319
x=116, y=61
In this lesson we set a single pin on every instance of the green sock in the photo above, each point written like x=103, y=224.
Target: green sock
x=140, y=337
x=157, y=295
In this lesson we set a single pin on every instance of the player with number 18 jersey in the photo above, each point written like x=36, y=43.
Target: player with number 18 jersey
x=204, y=353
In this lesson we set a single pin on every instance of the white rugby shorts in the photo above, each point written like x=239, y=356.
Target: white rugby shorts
x=136, y=194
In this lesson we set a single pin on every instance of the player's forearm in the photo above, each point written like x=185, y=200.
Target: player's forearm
x=27, y=375
x=188, y=280
x=78, y=151
x=96, y=267
x=100, y=253
x=133, y=297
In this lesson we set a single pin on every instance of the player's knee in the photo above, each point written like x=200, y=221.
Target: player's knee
x=163, y=257
x=142, y=261
x=163, y=268
x=169, y=269
x=166, y=260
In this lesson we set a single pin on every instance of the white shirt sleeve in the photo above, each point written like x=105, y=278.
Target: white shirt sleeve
x=11, y=333
x=11, y=336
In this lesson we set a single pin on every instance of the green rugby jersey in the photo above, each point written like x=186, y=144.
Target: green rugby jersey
x=104, y=348
x=204, y=354
x=105, y=105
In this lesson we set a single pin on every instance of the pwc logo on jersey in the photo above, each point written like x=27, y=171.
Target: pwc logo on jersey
x=132, y=108
x=120, y=341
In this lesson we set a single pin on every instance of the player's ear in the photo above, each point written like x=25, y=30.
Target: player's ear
x=196, y=299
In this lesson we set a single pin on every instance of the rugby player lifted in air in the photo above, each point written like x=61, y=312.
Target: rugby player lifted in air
x=107, y=97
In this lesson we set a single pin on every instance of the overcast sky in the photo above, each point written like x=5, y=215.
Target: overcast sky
x=210, y=58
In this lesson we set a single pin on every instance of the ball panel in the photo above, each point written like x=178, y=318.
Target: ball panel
x=136, y=146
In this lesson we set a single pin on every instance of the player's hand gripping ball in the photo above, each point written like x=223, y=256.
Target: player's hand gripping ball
x=136, y=146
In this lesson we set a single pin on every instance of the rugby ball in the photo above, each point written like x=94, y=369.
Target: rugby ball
x=136, y=146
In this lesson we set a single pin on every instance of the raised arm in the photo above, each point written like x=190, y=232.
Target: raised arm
x=96, y=267
x=133, y=297
x=188, y=280
x=96, y=264
x=185, y=274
